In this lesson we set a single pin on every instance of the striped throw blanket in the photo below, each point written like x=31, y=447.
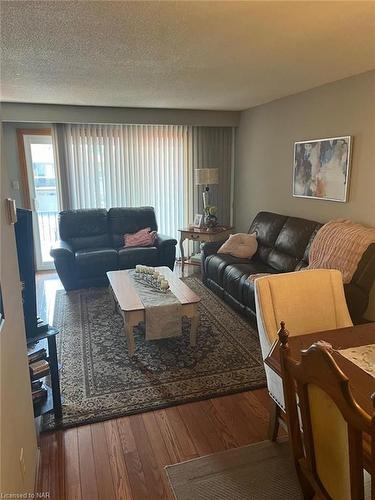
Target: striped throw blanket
x=340, y=244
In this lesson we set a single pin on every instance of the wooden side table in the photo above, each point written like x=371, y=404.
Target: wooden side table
x=203, y=236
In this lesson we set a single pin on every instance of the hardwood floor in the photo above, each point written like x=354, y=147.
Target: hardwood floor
x=124, y=458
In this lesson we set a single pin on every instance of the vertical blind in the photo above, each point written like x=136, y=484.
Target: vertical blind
x=145, y=165
x=131, y=165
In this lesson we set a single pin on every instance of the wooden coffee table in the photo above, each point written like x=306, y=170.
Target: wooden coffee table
x=133, y=311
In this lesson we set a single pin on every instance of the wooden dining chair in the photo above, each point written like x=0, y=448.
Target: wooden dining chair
x=325, y=425
x=310, y=301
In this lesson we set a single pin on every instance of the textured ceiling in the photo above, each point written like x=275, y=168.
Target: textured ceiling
x=202, y=55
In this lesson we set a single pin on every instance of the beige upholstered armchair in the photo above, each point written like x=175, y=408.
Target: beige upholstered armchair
x=308, y=301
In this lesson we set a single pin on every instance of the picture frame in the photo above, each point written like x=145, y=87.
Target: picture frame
x=198, y=221
x=321, y=168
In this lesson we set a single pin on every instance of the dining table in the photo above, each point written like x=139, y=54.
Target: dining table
x=345, y=343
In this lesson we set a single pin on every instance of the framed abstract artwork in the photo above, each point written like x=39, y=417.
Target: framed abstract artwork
x=322, y=168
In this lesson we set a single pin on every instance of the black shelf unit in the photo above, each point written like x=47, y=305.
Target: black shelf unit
x=38, y=333
x=45, y=405
x=53, y=400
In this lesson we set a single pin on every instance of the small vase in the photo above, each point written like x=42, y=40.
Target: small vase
x=210, y=221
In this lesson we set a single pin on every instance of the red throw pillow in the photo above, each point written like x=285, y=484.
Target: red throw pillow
x=143, y=238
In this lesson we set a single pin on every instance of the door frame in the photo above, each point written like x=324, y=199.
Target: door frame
x=22, y=157
x=24, y=177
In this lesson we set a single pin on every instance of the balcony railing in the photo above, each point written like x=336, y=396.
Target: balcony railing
x=48, y=233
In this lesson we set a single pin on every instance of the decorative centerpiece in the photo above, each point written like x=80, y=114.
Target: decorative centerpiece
x=210, y=219
x=151, y=277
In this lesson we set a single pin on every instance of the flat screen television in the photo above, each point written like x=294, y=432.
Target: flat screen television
x=26, y=263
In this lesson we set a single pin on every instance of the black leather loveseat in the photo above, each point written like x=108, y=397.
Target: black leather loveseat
x=283, y=246
x=92, y=244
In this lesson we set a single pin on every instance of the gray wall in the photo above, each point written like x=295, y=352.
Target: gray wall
x=265, y=150
x=263, y=179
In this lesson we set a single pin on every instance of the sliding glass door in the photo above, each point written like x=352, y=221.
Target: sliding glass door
x=40, y=176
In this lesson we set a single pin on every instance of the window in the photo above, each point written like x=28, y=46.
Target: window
x=131, y=165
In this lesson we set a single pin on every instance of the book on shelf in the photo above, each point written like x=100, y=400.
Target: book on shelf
x=37, y=355
x=36, y=385
x=39, y=395
x=39, y=368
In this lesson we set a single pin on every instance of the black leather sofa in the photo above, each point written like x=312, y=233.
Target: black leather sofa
x=283, y=246
x=92, y=244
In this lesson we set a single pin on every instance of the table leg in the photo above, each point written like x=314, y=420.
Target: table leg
x=182, y=255
x=129, y=326
x=194, y=328
x=113, y=300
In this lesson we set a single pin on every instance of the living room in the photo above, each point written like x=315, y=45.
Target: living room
x=168, y=172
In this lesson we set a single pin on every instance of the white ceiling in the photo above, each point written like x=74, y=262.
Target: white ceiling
x=197, y=55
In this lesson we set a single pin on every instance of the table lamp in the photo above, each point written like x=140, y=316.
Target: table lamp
x=206, y=177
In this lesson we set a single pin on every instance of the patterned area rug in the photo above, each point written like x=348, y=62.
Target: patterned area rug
x=99, y=381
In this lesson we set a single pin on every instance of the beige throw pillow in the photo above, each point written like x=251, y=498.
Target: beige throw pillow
x=240, y=245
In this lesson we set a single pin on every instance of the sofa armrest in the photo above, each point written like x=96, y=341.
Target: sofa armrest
x=63, y=255
x=210, y=248
x=357, y=301
x=167, y=250
x=164, y=241
x=365, y=273
x=62, y=249
x=357, y=292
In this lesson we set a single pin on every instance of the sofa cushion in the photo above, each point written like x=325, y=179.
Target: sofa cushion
x=290, y=245
x=248, y=292
x=84, y=228
x=236, y=274
x=129, y=220
x=305, y=259
x=95, y=261
x=128, y=258
x=267, y=227
x=215, y=265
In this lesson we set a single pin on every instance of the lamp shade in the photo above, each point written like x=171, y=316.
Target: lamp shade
x=205, y=176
